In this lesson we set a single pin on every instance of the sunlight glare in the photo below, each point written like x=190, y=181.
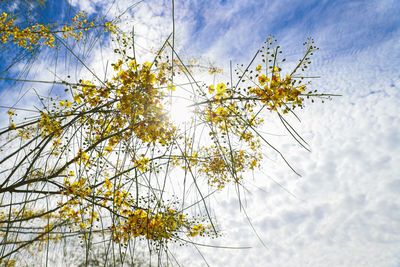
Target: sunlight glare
x=181, y=111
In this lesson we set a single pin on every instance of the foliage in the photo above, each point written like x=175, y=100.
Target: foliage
x=101, y=164
x=30, y=36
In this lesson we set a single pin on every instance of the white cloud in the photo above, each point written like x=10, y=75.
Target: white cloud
x=346, y=208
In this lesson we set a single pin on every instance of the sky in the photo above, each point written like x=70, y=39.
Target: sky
x=345, y=209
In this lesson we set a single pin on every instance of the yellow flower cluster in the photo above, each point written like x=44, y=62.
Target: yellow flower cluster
x=8, y=262
x=77, y=188
x=133, y=222
x=197, y=229
x=134, y=100
x=11, y=114
x=79, y=24
x=49, y=125
x=75, y=210
x=228, y=112
x=277, y=93
x=65, y=103
x=221, y=166
x=158, y=226
x=141, y=101
x=82, y=157
x=25, y=133
x=26, y=37
x=235, y=113
x=142, y=163
x=220, y=90
x=109, y=26
x=222, y=115
x=31, y=36
x=115, y=196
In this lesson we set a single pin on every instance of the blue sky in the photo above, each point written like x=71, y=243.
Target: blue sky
x=346, y=207
x=337, y=25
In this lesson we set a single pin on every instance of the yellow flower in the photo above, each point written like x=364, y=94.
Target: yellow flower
x=11, y=112
x=142, y=164
x=12, y=126
x=221, y=111
x=83, y=157
x=262, y=79
x=68, y=104
x=10, y=263
x=258, y=68
x=196, y=230
x=77, y=99
x=25, y=134
x=117, y=66
x=108, y=148
x=110, y=27
x=211, y=89
x=49, y=125
x=221, y=88
x=57, y=142
x=171, y=87
x=108, y=184
x=253, y=164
